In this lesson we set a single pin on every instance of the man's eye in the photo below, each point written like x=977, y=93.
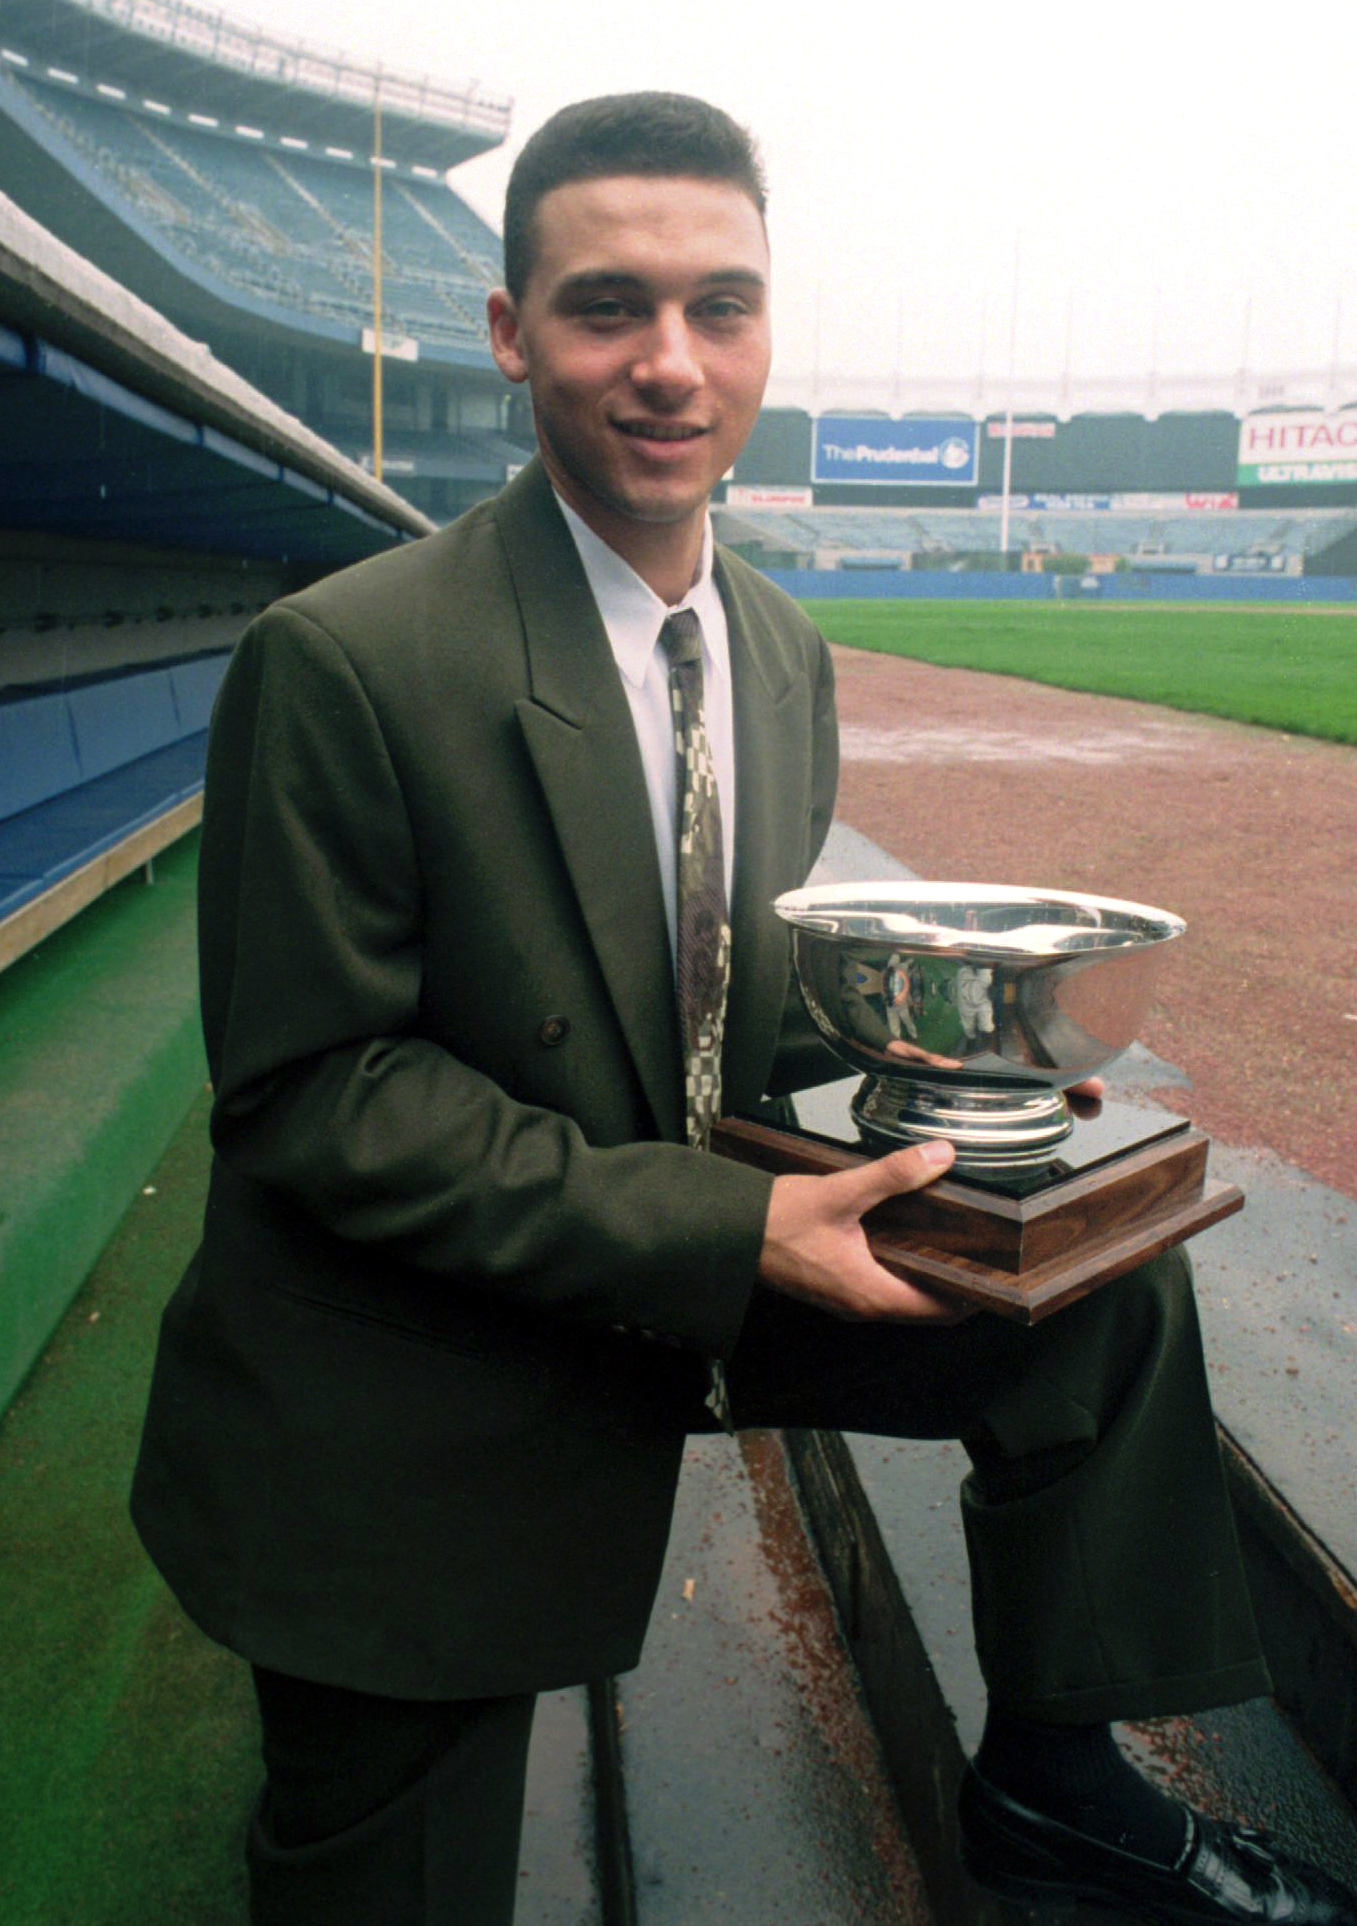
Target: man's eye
x=727, y=307
x=607, y=309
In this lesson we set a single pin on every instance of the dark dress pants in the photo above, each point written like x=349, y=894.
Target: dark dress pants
x=386, y=1812
x=1106, y=1578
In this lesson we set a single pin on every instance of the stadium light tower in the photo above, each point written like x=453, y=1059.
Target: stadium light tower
x=1008, y=411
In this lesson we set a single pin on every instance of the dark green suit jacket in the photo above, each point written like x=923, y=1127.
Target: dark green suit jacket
x=405, y=1432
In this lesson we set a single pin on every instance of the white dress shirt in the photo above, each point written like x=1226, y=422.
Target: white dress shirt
x=633, y=615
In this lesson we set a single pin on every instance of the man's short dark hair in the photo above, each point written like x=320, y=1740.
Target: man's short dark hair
x=656, y=134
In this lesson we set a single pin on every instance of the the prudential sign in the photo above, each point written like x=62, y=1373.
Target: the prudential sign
x=939, y=451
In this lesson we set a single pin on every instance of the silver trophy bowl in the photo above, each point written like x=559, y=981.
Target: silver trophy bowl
x=971, y=1007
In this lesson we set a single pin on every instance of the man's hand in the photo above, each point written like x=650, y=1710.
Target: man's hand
x=814, y=1246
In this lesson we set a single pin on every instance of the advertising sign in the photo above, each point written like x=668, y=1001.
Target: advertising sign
x=1303, y=446
x=1045, y=500
x=395, y=347
x=938, y=451
x=1249, y=564
x=1134, y=503
x=1022, y=430
x=747, y=495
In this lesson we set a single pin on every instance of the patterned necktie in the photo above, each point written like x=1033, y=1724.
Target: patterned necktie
x=703, y=924
x=702, y=919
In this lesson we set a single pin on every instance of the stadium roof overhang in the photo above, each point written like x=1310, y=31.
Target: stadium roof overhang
x=193, y=56
x=113, y=425
x=82, y=454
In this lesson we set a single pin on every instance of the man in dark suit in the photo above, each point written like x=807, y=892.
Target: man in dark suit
x=481, y=956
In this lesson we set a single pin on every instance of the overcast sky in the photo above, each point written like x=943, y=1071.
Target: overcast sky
x=1182, y=177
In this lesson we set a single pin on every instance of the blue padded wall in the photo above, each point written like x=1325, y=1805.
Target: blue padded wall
x=118, y=720
x=195, y=686
x=37, y=752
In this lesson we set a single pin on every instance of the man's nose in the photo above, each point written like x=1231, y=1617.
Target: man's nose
x=668, y=357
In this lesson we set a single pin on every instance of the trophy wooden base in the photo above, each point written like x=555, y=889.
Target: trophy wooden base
x=1028, y=1247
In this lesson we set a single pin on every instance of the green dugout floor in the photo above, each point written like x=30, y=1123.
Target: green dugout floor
x=127, y=1751
x=125, y=1739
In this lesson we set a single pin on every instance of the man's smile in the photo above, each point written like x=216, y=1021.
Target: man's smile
x=660, y=430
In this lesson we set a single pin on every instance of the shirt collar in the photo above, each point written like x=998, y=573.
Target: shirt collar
x=632, y=612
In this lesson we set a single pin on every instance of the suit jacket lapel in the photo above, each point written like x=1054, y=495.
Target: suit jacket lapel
x=578, y=729
x=772, y=800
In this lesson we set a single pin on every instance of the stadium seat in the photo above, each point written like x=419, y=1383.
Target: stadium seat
x=294, y=230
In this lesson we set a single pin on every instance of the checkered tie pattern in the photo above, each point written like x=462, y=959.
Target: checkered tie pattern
x=702, y=918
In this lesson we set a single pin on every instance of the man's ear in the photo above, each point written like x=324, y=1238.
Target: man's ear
x=505, y=341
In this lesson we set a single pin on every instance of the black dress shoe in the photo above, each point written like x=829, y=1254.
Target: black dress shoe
x=1224, y=1873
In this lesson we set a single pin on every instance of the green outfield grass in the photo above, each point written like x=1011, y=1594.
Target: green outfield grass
x=1285, y=668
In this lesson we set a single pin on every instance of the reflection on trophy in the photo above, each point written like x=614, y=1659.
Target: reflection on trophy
x=970, y=1010
x=971, y=1007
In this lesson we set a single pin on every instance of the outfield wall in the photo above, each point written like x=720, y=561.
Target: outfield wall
x=991, y=585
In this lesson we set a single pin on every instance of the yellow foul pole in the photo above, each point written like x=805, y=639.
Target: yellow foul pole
x=377, y=283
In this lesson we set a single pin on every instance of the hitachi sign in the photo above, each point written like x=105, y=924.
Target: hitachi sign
x=1289, y=448
x=1299, y=435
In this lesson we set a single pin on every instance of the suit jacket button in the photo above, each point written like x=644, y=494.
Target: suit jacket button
x=555, y=1029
